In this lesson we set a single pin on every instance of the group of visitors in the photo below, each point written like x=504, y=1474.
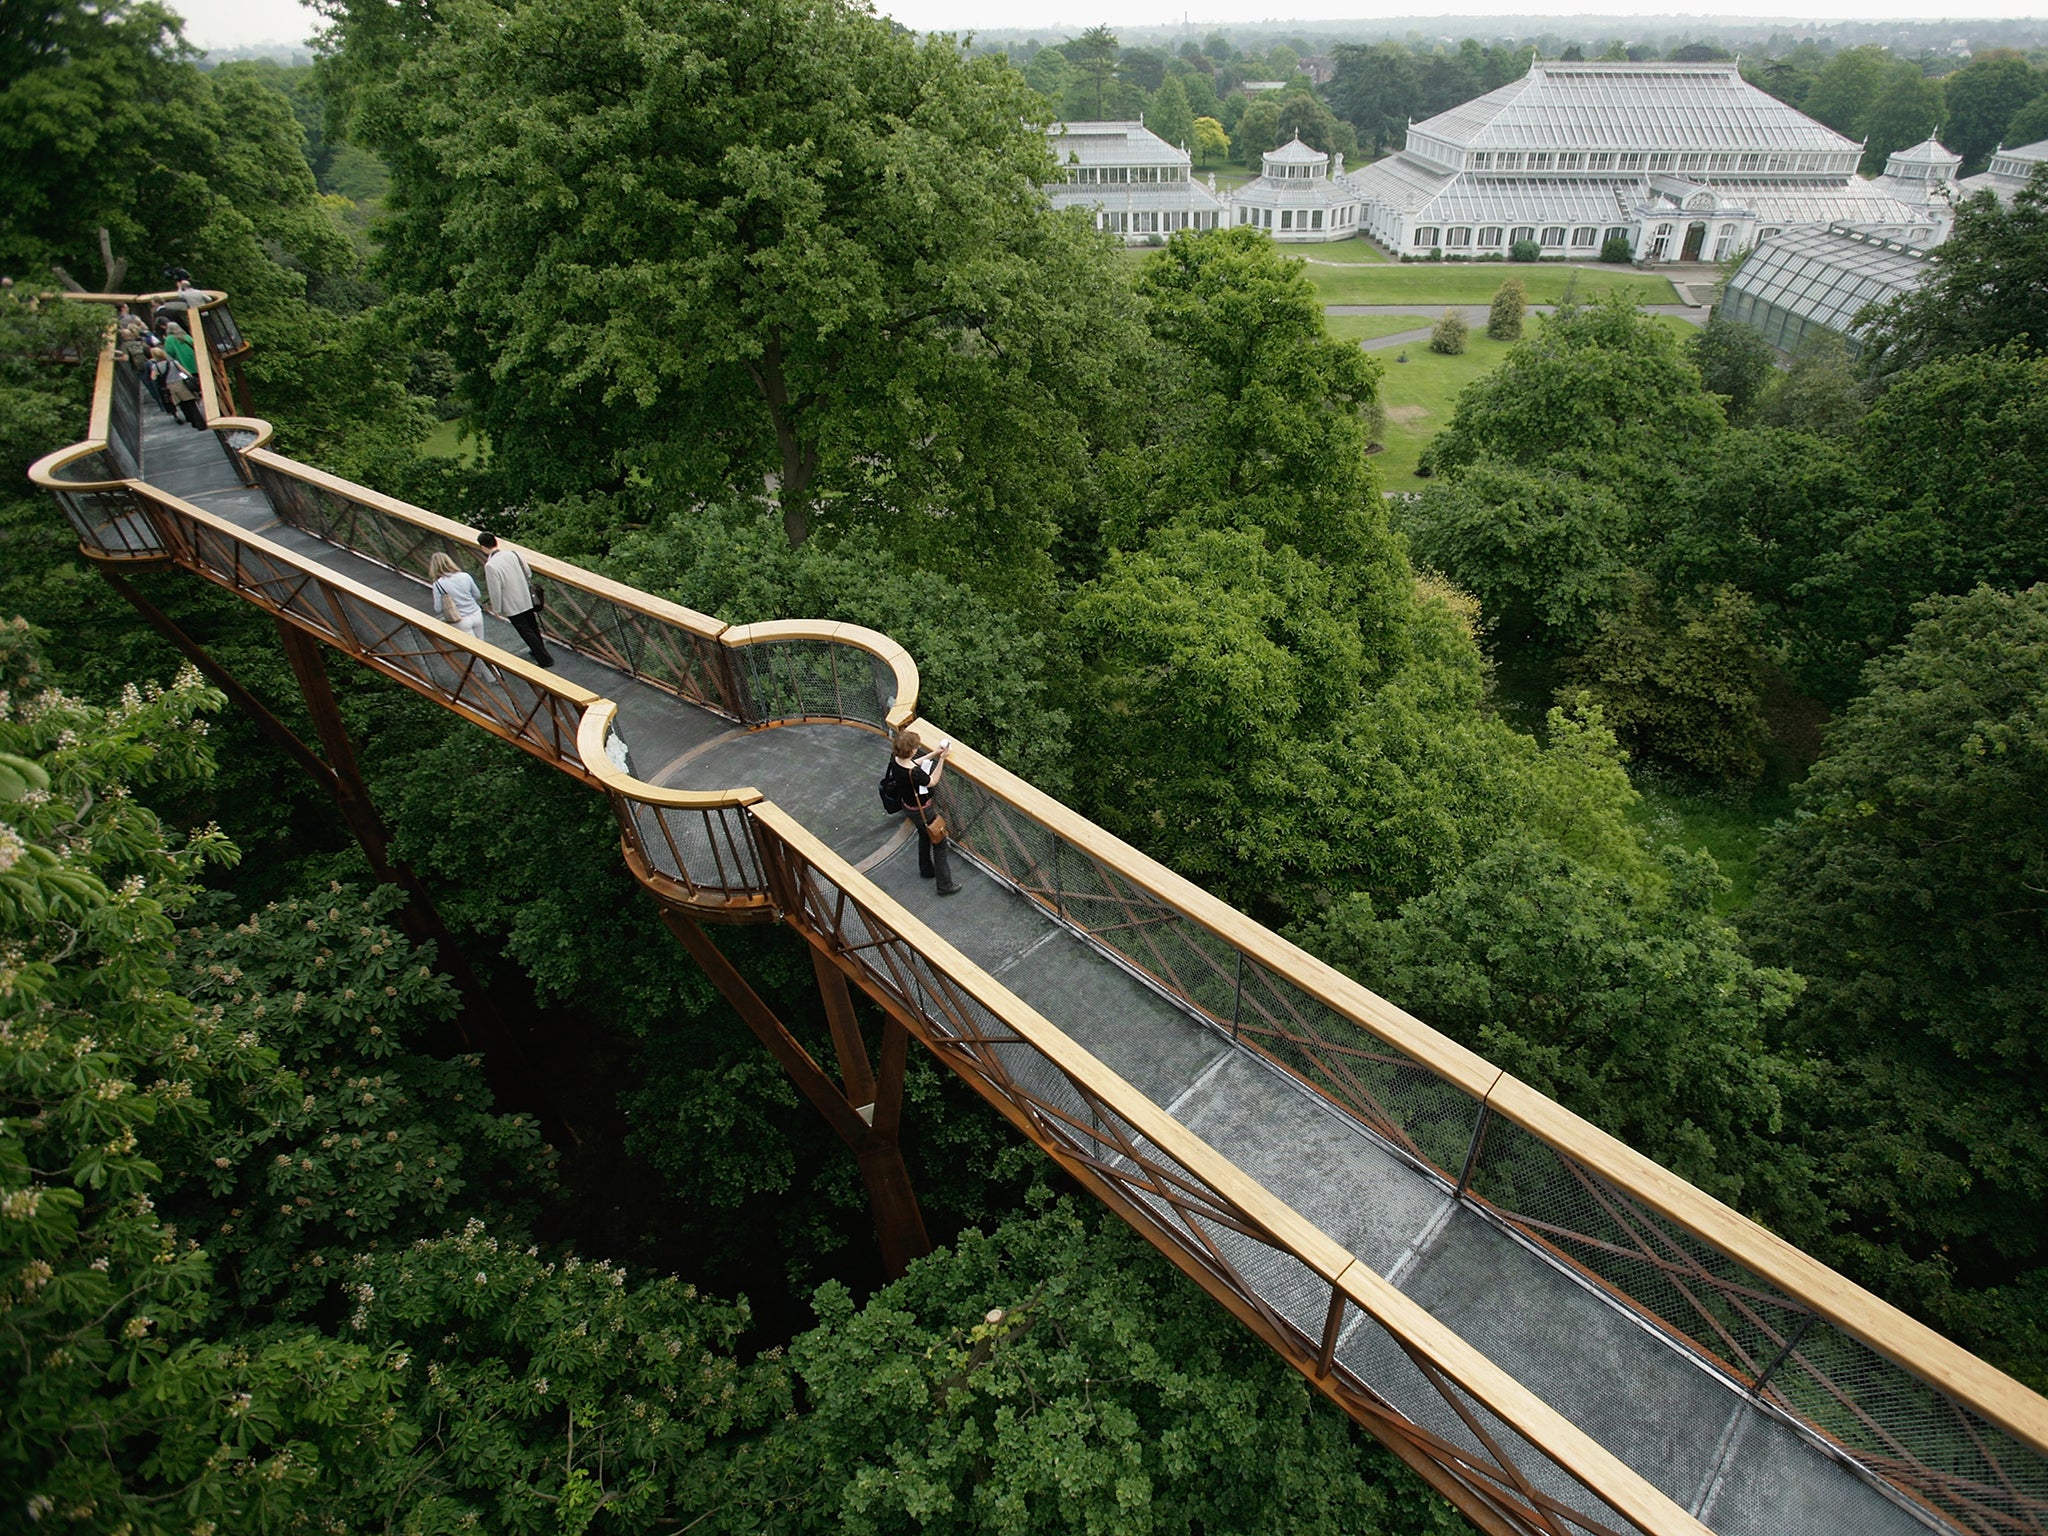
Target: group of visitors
x=510, y=592
x=514, y=596
x=162, y=348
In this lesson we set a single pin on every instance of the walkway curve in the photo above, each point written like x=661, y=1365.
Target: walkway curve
x=1561, y=1335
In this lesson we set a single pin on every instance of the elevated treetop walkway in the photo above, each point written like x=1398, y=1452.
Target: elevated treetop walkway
x=1560, y=1334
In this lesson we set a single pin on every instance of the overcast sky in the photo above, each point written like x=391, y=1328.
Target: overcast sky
x=224, y=23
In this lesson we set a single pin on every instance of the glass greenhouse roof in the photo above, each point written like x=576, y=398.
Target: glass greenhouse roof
x=1490, y=200
x=1826, y=276
x=1112, y=144
x=1632, y=107
x=1399, y=182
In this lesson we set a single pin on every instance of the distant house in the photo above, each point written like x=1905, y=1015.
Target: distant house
x=1296, y=198
x=1807, y=282
x=1319, y=67
x=2009, y=170
x=1135, y=184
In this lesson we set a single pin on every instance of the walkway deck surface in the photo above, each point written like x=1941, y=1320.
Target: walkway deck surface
x=1657, y=1407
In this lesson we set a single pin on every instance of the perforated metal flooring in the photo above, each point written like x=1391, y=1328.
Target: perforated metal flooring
x=1659, y=1409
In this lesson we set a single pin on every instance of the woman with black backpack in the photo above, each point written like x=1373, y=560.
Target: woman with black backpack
x=909, y=781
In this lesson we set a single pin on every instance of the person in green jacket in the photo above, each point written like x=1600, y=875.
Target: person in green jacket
x=179, y=345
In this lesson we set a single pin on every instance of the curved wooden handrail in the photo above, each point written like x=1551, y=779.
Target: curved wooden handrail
x=591, y=733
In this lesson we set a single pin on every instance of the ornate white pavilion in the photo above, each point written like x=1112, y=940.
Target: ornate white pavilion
x=1687, y=162
x=1137, y=185
x=1297, y=197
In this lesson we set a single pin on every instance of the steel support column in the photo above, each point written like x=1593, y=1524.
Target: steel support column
x=868, y=1129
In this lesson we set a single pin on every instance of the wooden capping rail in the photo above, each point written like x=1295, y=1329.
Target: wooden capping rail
x=873, y=641
x=1405, y=1319
x=543, y=565
x=43, y=473
x=591, y=732
x=1904, y=1340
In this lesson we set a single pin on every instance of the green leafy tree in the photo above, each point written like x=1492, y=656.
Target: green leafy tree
x=1642, y=1014
x=1376, y=90
x=874, y=306
x=1987, y=287
x=1908, y=892
x=1504, y=317
x=1169, y=116
x=1735, y=362
x=1264, y=417
x=1200, y=91
x=1300, y=115
x=118, y=1404
x=550, y=1394
x=1447, y=336
x=1058, y=1374
x=358, y=1135
x=1049, y=74
x=1257, y=131
x=1822, y=391
x=1597, y=390
x=1681, y=678
x=1615, y=250
x=1909, y=108
x=1847, y=88
x=2029, y=125
x=1983, y=97
x=1211, y=143
x=1547, y=555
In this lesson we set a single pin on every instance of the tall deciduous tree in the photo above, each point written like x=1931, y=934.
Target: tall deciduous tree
x=717, y=242
x=1983, y=96
x=1169, y=116
x=1909, y=892
x=1989, y=287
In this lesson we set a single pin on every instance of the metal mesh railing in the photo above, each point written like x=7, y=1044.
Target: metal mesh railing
x=1410, y=1106
x=399, y=641
x=785, y=680
x=1094, y=1128
x=1853, y=1399
x=1857, y=1401
x=124, y=417
x=672, y=657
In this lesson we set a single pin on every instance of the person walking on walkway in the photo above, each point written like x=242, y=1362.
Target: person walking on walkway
x=510, y=580
x=177, y=389
x=179, y=344
x=456, y=597
x=911, y=779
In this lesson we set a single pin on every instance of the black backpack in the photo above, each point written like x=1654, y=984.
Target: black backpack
x=893, y=788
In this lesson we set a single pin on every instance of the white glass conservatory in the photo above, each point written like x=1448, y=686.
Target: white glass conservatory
x=1296, y=197
x=1687, y=162
x=1135, y=184
x=2010, y=169
x=1798, y=285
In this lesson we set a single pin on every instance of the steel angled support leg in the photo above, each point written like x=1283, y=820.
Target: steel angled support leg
x=868, y=1129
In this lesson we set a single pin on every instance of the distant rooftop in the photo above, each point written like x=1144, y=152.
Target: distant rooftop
x=1112, y=144
x=1602, y=105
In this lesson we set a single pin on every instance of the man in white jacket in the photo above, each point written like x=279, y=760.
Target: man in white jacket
x=510, y=581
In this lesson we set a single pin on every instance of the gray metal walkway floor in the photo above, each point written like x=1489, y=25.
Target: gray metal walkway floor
x=1656, y=1406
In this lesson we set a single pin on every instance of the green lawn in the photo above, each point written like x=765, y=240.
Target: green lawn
x=447, y=442
x=1343, y=253
x=1369, y=327
x=1730, y=828
x=1421, y=393
x=1462, y=283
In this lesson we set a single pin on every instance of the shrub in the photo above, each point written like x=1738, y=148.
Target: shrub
x=1448, y=335
x=1615, y=248
x=1525, y=250
x=1504, y=322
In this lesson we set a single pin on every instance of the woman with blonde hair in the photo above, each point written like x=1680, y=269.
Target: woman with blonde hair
x=456, y=597
x=909, y=780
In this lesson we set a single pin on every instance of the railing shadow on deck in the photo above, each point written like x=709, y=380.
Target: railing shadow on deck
x=1943, y=1432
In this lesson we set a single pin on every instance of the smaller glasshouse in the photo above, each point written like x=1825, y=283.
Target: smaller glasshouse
x=1297, y=197
x=1808, y=283
x=1134, y=183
